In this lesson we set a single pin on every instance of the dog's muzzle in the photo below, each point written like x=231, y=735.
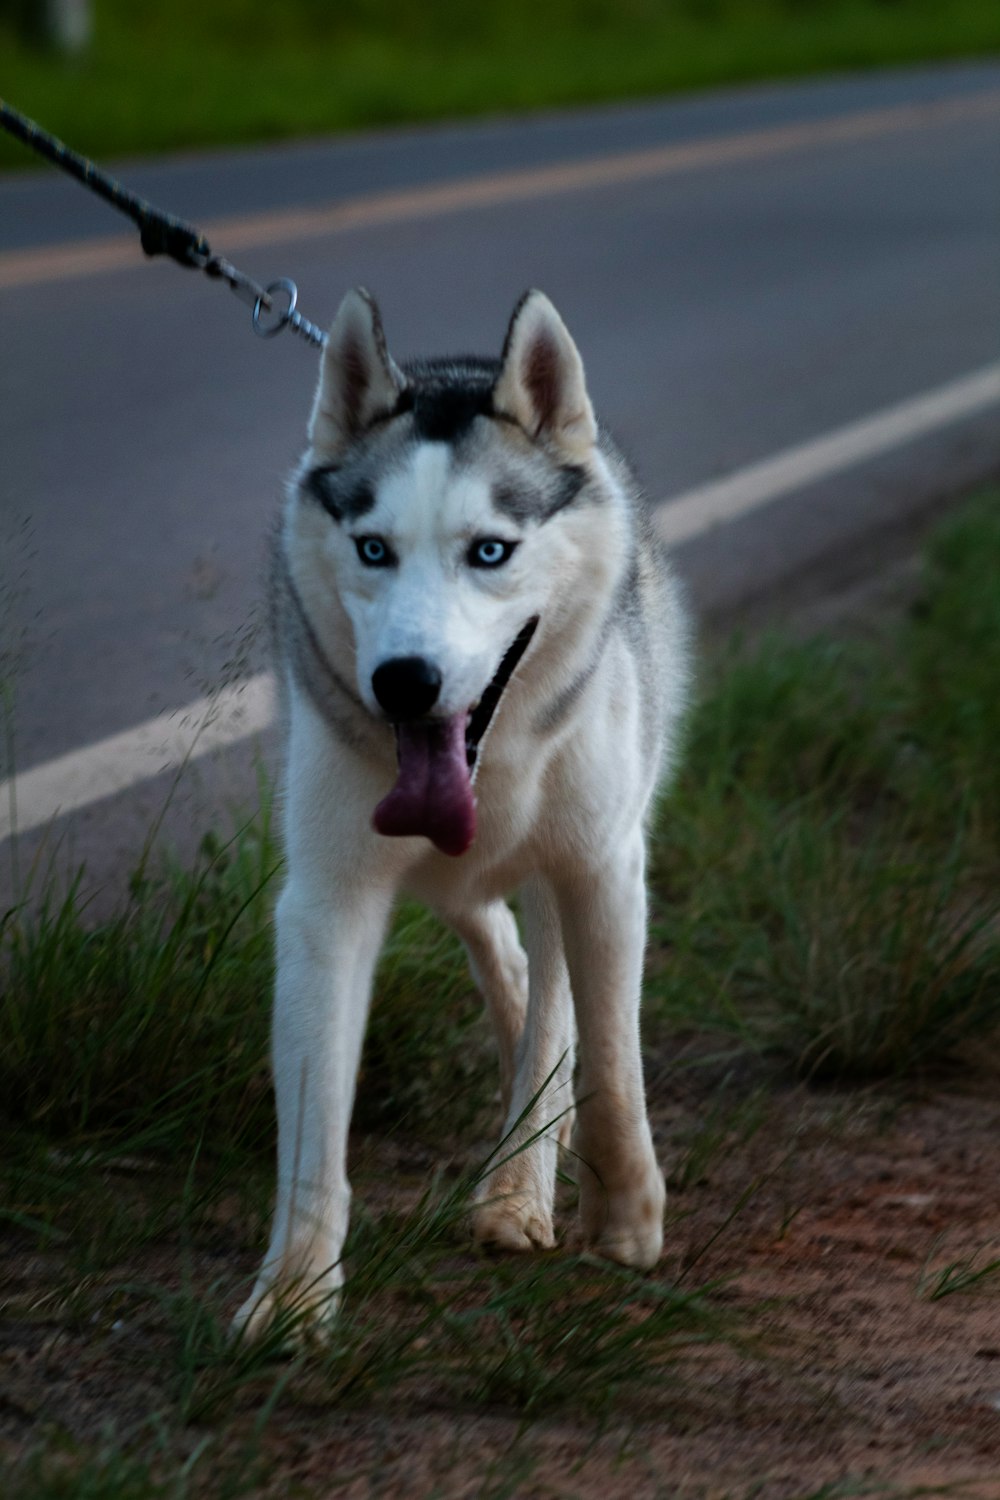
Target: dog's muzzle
x=433, y=795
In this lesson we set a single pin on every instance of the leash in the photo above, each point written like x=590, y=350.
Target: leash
x=164, y=234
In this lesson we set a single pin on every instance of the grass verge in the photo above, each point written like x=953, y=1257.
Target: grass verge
x=825, y=874
x=163, y=77
x=824, y=897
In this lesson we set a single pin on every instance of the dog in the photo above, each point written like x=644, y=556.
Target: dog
x=484, y=658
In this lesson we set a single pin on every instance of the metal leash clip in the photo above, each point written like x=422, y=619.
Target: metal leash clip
x=164, y=234
x=286, y=317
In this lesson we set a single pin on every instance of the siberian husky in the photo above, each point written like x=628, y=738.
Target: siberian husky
x=484, y=660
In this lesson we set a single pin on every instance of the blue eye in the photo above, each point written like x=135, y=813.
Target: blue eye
x=489, y=552
x=374, y=552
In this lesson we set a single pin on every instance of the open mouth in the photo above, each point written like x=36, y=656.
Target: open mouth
x=433, y=794
x=479, y=719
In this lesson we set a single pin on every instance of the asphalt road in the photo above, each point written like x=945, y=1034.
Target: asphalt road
x=759, y=268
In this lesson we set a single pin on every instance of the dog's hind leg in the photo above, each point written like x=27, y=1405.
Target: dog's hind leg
x=515, y=1199
x=622, y=1191
x=499, y=967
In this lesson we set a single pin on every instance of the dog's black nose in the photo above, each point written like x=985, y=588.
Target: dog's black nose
x=407, y=687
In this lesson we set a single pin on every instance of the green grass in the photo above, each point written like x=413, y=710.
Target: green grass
x=166, y=76
x=825, y=873
x=824, y=882
x=978, y=1272
x=149, y=1019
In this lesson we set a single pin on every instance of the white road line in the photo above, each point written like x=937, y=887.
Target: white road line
x=124, y=760
x=135, y=755
x=726, y=499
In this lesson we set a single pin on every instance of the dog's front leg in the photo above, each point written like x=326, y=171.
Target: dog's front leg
x=622, y=1192
x=326, y=953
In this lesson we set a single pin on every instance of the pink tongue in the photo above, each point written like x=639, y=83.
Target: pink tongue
x=433, y=793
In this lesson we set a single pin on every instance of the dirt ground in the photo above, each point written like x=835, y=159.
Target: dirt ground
x=860, y=1376
x=854, y=1378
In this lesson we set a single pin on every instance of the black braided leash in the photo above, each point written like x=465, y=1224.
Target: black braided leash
x=164, y=234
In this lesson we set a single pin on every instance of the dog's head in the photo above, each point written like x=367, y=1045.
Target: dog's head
x=447, y=508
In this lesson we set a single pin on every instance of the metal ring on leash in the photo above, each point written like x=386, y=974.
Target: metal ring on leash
x=290, y=317
x=291, y=291
x=164, y=234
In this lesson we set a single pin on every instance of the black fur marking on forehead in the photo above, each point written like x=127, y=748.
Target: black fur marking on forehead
x=344, y=496
x=526, y=501
x=447, y=395
x=443, y=414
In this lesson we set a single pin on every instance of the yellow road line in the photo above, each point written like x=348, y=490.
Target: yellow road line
x=48, y=263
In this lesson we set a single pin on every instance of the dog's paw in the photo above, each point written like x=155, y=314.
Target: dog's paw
x=625, y=1226
x=293, y=1313
x=513, y=1222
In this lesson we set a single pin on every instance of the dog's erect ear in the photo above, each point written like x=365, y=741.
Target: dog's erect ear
x=358, y=378
x=541, y=383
